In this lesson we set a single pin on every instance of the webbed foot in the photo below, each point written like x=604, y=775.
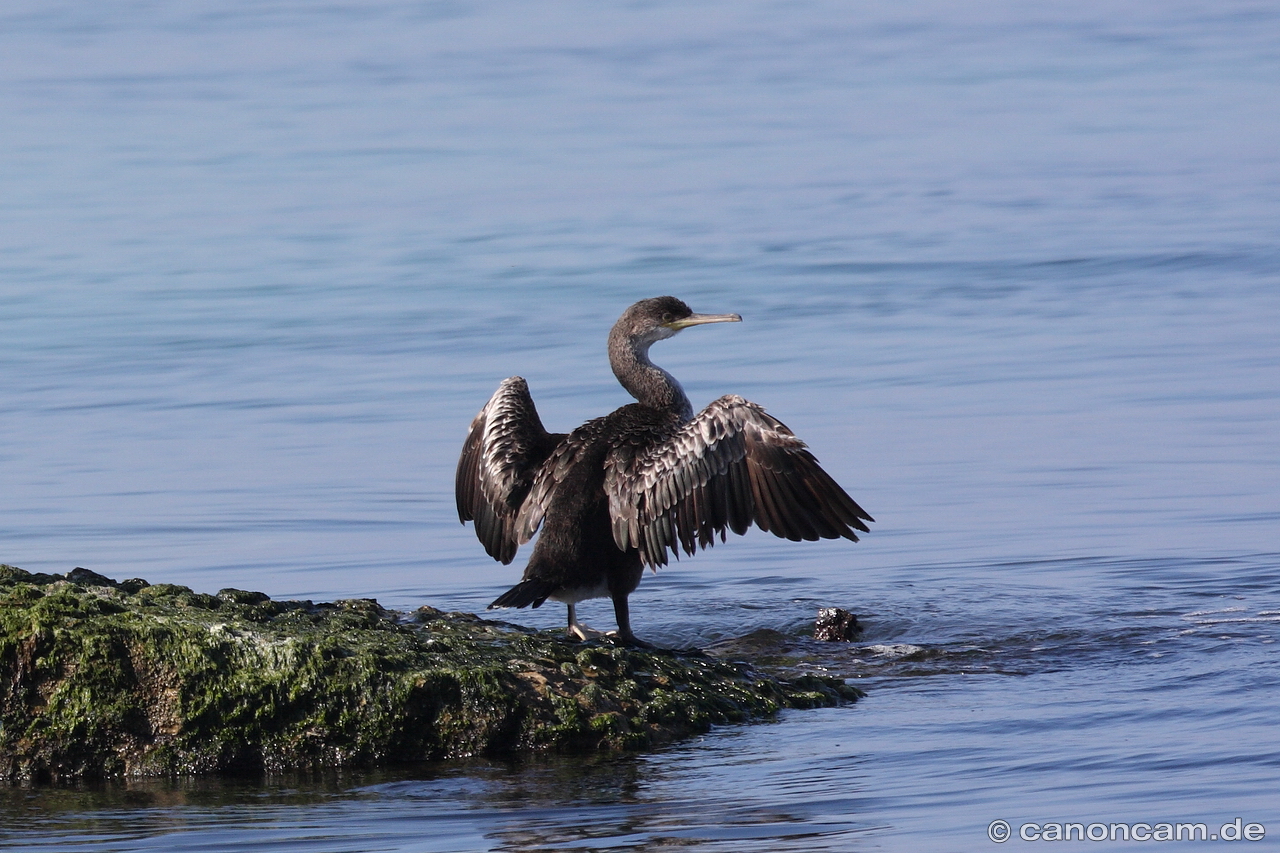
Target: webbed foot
x=578, y=631
x=630, y=639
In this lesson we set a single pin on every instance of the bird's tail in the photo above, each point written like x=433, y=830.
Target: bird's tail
x=525, y=593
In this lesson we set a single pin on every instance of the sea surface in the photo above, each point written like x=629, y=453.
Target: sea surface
x=1012, y=269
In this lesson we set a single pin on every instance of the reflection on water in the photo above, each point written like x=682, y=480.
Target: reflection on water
x=544, y=803
x=1009, y=270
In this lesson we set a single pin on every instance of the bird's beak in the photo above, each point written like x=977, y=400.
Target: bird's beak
x=700, y=319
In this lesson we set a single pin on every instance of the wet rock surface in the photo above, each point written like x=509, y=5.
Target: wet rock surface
x=103, y=678
x=835, y=625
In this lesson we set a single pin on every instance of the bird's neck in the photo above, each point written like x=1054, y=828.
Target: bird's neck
x=649, y=384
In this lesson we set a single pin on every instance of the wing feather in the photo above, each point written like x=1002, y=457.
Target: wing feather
x=505, y=447
x=731, y=466
x=552, y=473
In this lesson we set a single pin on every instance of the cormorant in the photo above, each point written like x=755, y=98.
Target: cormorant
x=620, y=491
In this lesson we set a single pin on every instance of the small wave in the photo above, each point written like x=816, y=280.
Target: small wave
x=1211, y=612
x=893, y=650
x=1230, y=615
x=1250, y=619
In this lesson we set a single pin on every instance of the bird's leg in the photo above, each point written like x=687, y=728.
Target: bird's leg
x=622, y=611
x=578, y=631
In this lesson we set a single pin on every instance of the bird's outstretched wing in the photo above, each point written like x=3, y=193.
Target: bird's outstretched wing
x=500, y=459
x=729, y=467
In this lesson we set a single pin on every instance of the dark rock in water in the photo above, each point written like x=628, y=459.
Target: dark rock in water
x=836, y=625
x=101, y=678
x=83, y=576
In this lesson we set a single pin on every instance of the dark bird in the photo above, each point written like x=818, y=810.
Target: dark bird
x=621, y=491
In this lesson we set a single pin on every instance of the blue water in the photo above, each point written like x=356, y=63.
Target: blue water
x=1011, y=269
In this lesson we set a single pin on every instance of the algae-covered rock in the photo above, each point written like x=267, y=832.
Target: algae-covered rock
x=105, y=678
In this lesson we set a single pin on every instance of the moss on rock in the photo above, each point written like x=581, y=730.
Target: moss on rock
x=103, y=678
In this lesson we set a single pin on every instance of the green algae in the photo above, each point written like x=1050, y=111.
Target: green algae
x=100, y=678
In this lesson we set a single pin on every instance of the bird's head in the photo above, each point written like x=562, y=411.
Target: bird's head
x=656, y=319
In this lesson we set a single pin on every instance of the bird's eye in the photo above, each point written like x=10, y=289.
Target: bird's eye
x=668, y=317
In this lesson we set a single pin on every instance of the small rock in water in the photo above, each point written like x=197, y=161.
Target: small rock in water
x=85, y=577
x=836, y=625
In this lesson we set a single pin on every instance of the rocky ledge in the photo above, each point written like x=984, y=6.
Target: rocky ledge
x=103, y=678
